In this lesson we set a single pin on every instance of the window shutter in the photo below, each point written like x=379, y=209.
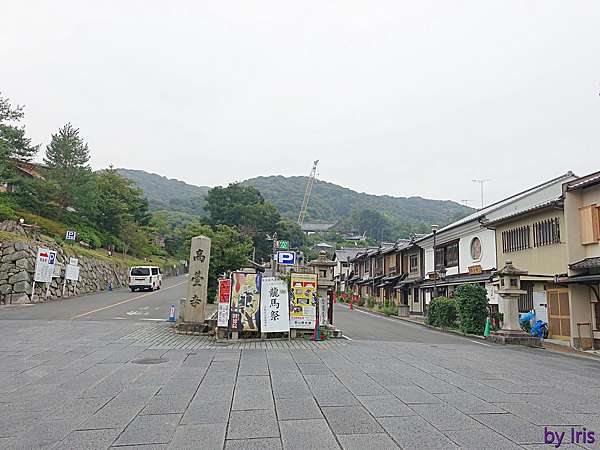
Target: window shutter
x=588, y=223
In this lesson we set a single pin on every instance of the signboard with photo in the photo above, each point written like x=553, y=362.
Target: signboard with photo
x=274, y=305
x=245, y=300
x=304, y=300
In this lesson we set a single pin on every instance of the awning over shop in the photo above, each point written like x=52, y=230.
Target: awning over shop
x=461, y=279
x=405, y=282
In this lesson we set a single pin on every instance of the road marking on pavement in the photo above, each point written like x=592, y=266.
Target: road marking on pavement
x=480, y=343
x=154, y=320
x=346, y=337
x=124, y=301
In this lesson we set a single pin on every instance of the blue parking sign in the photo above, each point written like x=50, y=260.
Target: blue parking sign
x=288, y=258
x=71, y=235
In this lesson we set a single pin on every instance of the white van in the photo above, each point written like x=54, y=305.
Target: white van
x=144, y=277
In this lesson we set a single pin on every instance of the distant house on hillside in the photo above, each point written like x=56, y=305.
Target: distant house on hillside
x=24, y=169
x=309, y=228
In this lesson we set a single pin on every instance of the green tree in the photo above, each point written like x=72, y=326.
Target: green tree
x=14, y=145
x=119, y=203
x=290, y=231
x=244, y=208
x=67, y=159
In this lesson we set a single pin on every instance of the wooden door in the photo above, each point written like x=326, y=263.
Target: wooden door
x=559, y=318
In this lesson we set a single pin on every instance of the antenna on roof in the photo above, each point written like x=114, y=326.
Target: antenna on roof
x=481, y=183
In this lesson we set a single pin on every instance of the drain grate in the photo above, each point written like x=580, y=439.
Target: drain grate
x=150, y=361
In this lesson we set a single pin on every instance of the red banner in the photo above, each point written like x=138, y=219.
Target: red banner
x=224, y=291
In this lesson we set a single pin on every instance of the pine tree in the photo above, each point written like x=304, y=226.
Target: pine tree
x=67, y=158
x=14, y=145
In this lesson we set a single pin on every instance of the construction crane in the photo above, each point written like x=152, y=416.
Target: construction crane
x=309, y=185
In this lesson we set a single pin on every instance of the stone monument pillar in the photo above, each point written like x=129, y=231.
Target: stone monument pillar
x=193, y=308
x=509, y=292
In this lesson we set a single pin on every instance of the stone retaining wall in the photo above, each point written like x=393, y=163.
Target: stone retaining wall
x=17, y=265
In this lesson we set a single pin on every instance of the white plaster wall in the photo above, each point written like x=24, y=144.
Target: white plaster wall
x=488, y=250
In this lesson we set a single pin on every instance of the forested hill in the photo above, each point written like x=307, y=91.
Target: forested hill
x=168, y=194
x=330, y=202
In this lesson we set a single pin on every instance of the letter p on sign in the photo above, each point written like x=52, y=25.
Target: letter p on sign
x=288, y=258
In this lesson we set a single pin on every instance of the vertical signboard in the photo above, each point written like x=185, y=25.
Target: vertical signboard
x=274, y=305
x=223, y=309
x=45, y=263
x=304, y=300
x=245, y=301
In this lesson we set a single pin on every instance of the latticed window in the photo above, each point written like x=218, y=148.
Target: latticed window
x=546, y=232
x=516, y=239
x=526, y=300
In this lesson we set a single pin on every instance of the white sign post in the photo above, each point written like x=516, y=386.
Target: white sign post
x=45, y=263
x=274, y=306
x=71, y=273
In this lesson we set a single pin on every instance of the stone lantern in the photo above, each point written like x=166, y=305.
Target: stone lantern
x=509, y=292
x=323, y=267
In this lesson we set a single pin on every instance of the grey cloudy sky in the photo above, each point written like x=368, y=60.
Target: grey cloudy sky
x=394, y=97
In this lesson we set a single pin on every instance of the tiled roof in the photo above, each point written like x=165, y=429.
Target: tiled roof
x=543, y=205
x=347, y=253
x=317, y=226
x=495, y=206
x=582, y=182
x=588, y=263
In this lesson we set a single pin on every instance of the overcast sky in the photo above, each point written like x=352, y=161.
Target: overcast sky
x=394, y=97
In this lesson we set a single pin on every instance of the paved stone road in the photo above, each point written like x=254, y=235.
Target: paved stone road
x=80, y=385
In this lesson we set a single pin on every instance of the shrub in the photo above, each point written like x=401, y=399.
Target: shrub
x=371, y=302
x=390, y=310
x=471, y=302
x=6, y=212
x=442, y=312
x=361, y=301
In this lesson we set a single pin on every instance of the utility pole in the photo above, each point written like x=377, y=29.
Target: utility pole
x=481, y=183
x=466, y=201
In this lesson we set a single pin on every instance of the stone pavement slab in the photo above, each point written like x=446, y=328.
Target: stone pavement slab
x=386, y=406
x=254, y=444
x=469, y=404
x=514, y=428
x=483, y=438
x=152, y=429
x=88, y=440
x=415, y=433
x=252, y=424
x=199, y=437
x=351, y=420
x=445, y=418
x=206, y=412
x=305, y=434
x=367, y=442
x=297, y=408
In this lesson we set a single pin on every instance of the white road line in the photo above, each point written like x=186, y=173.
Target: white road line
x=480, y=343
x=346, y=337
x=125, y=301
